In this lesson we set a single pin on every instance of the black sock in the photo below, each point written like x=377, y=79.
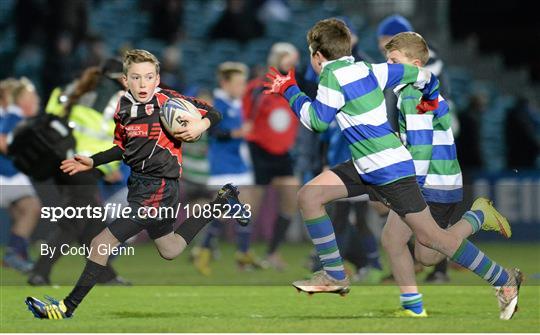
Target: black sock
x=86, y=281
x=278, y=236
x=192, y=226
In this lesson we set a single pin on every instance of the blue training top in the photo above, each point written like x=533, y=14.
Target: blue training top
x=224, y=153
x=9, y=118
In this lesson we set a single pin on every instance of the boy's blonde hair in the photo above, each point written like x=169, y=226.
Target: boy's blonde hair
x=7, y=86
x=23, y=85
x=331, y=37
x=139, y=56
x=411, y=44
x=227, y=69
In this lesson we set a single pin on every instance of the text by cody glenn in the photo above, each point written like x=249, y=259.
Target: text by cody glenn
x=113, y=211
x=85, y=250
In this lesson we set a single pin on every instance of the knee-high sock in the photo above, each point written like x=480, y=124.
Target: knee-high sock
x=191, y=227
x=469, y=256
x=322, y=234
x=86, y=282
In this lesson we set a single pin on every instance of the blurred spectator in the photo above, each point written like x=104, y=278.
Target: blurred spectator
x=468, y=142
x=18, y=100
x=229, y=163
x=274, y=129
x=88, y=106
x=171, y=75
x=167, y=19
x=238, y=22
x=522, y=130
x=26, y=98
x=195, y=168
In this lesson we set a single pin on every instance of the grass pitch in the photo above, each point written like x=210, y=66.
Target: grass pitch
x=173, y=297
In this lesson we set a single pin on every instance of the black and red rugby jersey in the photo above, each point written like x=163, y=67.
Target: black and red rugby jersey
x=147, y=147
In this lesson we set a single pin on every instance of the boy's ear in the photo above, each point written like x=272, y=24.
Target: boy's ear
x=158, y=80
x=320, y=57
x=124, y=80
x=417, y=63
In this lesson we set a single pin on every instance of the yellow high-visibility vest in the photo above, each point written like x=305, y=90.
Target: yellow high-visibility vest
x=92, y=130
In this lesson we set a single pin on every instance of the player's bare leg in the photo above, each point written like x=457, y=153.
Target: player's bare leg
x=323, y=189
x=506, y=281
x=26, y=212
x=395, y=236
x=170, y=245
x=491, y=220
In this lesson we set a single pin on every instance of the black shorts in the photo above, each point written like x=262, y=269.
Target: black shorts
x=402, y=196
x=148, y=192
x=442, y=213
x=266, y=165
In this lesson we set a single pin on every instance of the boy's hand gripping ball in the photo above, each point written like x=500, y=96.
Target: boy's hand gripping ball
x=176, y=114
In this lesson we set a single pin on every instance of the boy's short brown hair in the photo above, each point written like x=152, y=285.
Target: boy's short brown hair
x=411, y=44
x=227, y=69
x=139, y=56
x=331, y=37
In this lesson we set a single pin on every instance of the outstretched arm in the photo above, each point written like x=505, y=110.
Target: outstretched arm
x=81, y=163
x=392, y=75
x=314, y=115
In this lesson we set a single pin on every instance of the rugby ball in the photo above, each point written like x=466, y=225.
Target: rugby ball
x=174, y=115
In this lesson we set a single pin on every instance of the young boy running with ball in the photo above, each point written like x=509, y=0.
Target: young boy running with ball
x=154, y=157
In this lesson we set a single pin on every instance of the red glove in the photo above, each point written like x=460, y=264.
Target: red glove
x=427, y=105
x=278, y=83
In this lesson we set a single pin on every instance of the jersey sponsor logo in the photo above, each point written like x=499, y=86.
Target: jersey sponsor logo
x=149, y=109
x=137, y=130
